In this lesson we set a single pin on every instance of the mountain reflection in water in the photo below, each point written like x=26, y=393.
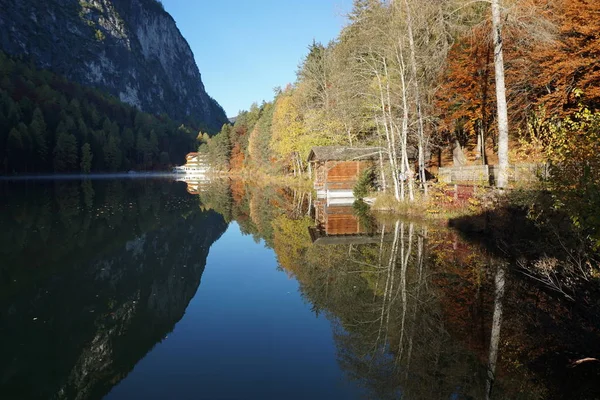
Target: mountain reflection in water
x=95, y=273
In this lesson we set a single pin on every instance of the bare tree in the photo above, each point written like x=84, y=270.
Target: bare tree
x=501, y=105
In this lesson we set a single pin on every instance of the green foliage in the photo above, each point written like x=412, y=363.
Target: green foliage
x=365, y=183
x=217, y=148
x=164, y=158
x=44, y=120
x=365, y=217
x=86, y=158
x=258, y=143
x=572, y=147
x=112, y=153
x=217, y=197
x=65, y=152
x=37, y=130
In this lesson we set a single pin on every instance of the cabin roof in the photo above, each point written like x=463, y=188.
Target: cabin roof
x=342, y=153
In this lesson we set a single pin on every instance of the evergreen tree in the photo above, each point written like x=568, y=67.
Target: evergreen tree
x=112, y=153
x=52, y=116
x=26, y=155
x=86, y=158
x=164, y=158
x=65, y=152
x=37, y=130
x=15, y=149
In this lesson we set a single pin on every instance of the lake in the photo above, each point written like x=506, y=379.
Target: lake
x=124, y=288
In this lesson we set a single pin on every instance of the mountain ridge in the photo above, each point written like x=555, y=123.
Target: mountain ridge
x=133, y=49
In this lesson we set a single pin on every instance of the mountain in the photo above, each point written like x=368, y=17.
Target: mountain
x=130, y=48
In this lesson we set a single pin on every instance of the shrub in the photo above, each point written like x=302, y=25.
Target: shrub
x=365, y=184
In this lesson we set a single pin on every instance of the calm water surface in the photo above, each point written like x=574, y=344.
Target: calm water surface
x=148, y=288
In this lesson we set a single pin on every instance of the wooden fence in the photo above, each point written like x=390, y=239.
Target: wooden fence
x=488, y=174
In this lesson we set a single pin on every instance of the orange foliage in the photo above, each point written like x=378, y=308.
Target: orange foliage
x=574, y=62
x=237, y=157
x=467, y=91
x=238, y=191
x=539, y=71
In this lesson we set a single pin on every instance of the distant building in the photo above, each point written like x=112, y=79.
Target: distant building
x=193, y=159
x=336, y=170
x=195, y=163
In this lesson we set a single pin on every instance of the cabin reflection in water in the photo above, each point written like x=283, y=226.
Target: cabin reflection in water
x=340, y=224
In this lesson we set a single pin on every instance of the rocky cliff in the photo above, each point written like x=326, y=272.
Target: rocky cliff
x=131, y=48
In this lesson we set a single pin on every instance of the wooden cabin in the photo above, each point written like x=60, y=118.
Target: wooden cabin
x=336, y=170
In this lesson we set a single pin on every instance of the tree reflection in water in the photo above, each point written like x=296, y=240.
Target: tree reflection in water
x=416, y=311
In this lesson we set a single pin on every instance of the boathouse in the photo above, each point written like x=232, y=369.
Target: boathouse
x=336, y=170
x=195, y=163
x=193, y=159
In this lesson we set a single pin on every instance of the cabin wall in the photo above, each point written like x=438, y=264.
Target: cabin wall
x=339, y=175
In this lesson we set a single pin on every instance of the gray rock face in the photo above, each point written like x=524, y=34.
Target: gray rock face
x=131, y=48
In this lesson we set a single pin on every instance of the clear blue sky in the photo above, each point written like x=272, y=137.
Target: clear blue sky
x=245, y=48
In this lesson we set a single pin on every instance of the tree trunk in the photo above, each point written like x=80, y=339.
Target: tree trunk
x=404, y=137
x=420, y=125
x=495, y=335
x=390, y=139
x=500, y=97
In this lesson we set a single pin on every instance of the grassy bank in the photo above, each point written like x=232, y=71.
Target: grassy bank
x=442, y=202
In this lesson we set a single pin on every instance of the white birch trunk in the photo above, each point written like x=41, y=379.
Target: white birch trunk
x=391, y=142
x=500, y=97
x=388, y=107
x=495, y=335
x=406, y=171
x=420, y=124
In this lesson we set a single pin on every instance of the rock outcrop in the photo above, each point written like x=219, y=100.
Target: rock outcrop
x=130, y=48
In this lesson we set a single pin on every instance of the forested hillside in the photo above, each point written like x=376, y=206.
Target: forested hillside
x=48, y=124
x=419, y=78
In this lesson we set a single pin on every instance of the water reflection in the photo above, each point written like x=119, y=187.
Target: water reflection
x=417, y=311
x=95, y=274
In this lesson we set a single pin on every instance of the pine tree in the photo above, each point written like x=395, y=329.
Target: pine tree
x=65, y=152
x=86, y=158
x=113, y=154
x=14, y=150
x=38, y=133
